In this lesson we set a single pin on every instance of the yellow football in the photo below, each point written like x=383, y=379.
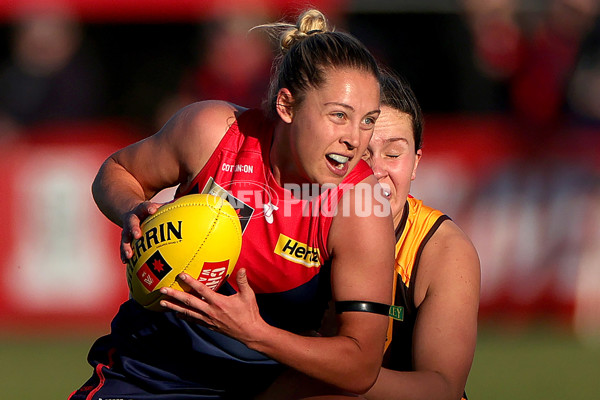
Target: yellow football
x=199, y=234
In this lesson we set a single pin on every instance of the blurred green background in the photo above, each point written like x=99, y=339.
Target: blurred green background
x=536, y=362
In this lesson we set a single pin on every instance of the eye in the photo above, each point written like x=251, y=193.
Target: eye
x=369, y=121
x=339, y=115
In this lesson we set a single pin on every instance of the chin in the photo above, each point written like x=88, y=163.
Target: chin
x=397, y=208
x=331, y=181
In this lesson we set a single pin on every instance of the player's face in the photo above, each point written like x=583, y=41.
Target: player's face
x=332, y=127
x=391, y=154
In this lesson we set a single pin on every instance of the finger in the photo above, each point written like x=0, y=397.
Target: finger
x=134, y=228
x=186, y=300
x=200, y=288
x=188, y=312
x=151, y=207
x=145, y=209
x=125, y=249
x=183, y=311
x=242, y=282
x=126, y=253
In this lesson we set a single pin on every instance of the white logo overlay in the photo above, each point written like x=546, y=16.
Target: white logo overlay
x=361, y=199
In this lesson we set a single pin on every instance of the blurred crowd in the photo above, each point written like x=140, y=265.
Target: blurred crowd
x=50, y=75
x=547, y=60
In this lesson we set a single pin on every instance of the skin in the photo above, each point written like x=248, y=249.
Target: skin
x=344, y=120
x=337, y=118
x=446, y=291
x=392, y=156
x=447, y=283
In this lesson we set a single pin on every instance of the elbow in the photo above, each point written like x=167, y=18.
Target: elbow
x=97, y=183
x=361, y=380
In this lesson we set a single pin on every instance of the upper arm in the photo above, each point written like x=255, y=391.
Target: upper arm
x=362, y=246
x=447, y=292
x=176, y=153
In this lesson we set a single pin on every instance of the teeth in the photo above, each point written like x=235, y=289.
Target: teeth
x=338, y=158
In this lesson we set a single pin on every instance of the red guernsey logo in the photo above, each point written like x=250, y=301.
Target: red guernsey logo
x=214, y=273
x=153, y=271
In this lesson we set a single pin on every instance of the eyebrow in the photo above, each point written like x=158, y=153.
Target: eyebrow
x=396, y=139
x=349, y=107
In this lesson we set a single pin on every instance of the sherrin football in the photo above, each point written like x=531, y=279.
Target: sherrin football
x=199, y=234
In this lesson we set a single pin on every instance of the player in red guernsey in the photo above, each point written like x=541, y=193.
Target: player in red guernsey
x=304, y=196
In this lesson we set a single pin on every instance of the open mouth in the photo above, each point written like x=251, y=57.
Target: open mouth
x=338, y=161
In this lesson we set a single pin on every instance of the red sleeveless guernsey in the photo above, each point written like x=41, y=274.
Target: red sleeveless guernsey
x=156, y=355
x=284, y=232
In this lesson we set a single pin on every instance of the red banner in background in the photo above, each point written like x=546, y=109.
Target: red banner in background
x=60, y=266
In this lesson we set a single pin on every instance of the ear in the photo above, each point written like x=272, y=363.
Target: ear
x=283, y=105
x=417, y=159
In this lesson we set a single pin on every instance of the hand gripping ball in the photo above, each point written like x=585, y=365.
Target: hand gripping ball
x=199, y=234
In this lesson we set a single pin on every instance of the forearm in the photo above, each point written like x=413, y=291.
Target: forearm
x=340, y=360
x=413, y=385
x=116, y=191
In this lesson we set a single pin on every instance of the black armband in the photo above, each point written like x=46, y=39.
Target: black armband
x=395, y=312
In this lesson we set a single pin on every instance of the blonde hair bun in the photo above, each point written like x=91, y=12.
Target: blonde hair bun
x=310, y=22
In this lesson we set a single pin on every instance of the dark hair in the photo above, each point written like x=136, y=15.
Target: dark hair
x=397, y=94
x=308, y=49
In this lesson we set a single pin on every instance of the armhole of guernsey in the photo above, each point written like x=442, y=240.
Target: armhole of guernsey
x=225, y=144
x=415, y=213
x=414, y=272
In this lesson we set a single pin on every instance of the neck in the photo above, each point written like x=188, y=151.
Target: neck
x=400, y=215
x=283, y=167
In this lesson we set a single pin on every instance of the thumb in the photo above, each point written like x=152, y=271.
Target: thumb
x=242, y=281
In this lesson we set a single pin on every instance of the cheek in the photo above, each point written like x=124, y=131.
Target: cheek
x=401, y=177
x=366, y=138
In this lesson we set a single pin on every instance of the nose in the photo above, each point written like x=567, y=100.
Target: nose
x=378, y=168
x=351, y=138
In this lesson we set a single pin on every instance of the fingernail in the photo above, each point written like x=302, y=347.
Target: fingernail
x=163, y=291
x=183, y=277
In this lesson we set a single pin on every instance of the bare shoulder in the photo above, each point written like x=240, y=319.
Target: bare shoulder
x=450, y=236
x=204, y=120
x=449, y=261
x=196, y=130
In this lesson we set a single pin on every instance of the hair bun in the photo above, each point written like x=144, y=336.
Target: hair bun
x=309, y=23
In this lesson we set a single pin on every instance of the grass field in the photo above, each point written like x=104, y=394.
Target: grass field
x=528, y=364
